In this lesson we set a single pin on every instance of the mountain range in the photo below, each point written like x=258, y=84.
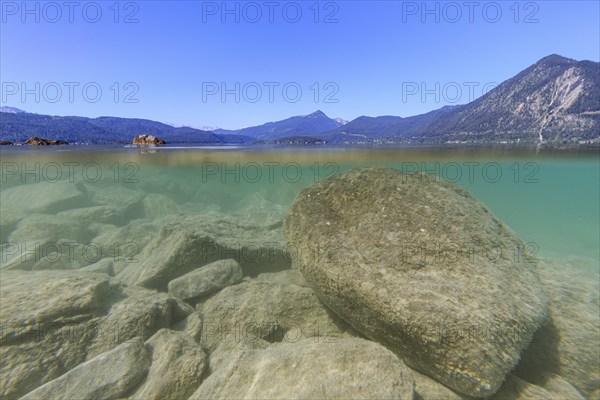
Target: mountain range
x=314, y=123
x=556, y=100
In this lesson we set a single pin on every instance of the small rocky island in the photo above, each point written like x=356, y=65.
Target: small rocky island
x=38, y=141
x=148, y=140
x=35, y=141
x=374, y=284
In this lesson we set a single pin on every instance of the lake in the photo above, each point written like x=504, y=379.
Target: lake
x=129, y=268
x=550, y=199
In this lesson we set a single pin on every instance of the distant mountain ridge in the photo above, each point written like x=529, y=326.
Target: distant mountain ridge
x=11, y=110
x=16, y=127
x=556, y=100
x=384, y=128
x=314, y=123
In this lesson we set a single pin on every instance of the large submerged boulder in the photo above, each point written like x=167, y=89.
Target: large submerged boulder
x=422, y=267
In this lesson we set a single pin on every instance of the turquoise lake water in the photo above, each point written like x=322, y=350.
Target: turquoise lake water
x=147, y=216
x=551, y=199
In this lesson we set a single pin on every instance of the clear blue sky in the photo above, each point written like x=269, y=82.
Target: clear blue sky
x=374, y=58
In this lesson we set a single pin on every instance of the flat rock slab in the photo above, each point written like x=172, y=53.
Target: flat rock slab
x=140, y=313
x=39, y=300
x=42, y=197
x=189, y=241
x=176, y=370
x=262, y=310
x=206, y=280
x=106, y=376
x=350, y=368
x=48, y=319
x=422, y=267
x=52, y=321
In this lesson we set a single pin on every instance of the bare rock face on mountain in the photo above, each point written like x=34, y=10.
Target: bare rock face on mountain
x=554, y=100
x=423, y=268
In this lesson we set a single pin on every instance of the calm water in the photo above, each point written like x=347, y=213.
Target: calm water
x=551, y=199
x=78, y=207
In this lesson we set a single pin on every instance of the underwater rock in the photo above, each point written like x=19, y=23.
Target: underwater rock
x=97, y=214
x=558, y=387
x=275, y=313
x=126, y=199
x=567, y=344
x=422, y=267
x=42, y=197
x=104, y=266
x=189, y=241
x=287, y=277
x=206, y=280
x=125, y=244
x=427, y=388
x=174, y=252
x=349, y=368
x=157, y=205
x=44, y=228
x=191, y=326
x=41, y=241
x=227, y=347
x=515, y=388
x=32, y=300
x=48, y=319
x=106, y=376
x=9, y=217
x=53, y=321
x=134, y=312
x=176, y=370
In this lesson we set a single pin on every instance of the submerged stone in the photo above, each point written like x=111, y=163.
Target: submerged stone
x=422, y=267
x=189, y=241
x=349, y=368
x=52, y=321
x=206, y=280
x=176, y=370
x=261, y=310
x=568, y=344
x=107, y=376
